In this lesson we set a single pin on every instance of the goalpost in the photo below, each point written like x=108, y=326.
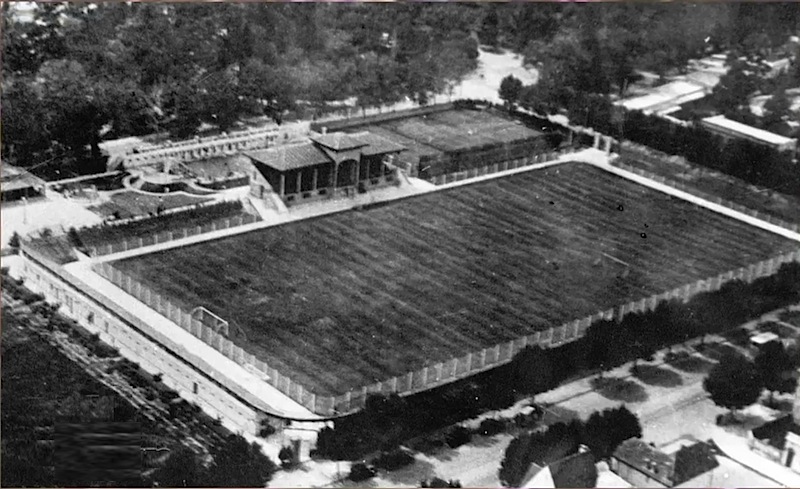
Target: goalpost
x=211, y=320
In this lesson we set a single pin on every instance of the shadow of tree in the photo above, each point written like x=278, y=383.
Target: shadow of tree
x=653, y=375
x=616, y=389
x=411, y=475
x=691, y=363
x=558, y=414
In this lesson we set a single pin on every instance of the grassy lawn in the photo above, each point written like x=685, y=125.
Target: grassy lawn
x=345, y=300
x=131, y=203
x=780, y=206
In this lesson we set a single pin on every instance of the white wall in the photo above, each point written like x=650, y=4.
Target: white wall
x=190, y=383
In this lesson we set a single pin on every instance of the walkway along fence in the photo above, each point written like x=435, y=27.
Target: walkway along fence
x=707, y=196
x=165, y=236
x=440, y=373
x=502, y=166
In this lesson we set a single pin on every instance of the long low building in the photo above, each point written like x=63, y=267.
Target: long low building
x=722, y=125
x=17, y=184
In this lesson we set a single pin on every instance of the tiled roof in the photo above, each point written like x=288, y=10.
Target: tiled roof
x=290, y=157
x=376, y=144
x=295, y=156
x=577, y=470
x=338, y=141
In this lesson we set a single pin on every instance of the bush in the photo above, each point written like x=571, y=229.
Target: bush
x=393, y=460
x=438, y=482
x=360, y=472
x=457, y=436
x=14, y=241
x=286, y=456
x=266, y=431
x=491, y=426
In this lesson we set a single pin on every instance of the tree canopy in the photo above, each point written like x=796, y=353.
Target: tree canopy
x=734, y=383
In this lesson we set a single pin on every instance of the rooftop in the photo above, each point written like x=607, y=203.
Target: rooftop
x=671, y=469
x=302, y=155
x=646, y=459
x=14, y=178
x=774, y=432
x=743, y=129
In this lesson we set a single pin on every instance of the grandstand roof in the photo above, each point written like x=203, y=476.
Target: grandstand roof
x=292, y=157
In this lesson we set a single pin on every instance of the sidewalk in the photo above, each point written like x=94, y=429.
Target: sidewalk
x=735, y=447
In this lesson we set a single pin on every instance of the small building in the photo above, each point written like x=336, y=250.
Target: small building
x=329, y=165
x=17, y=184
x=779, y=440
x=643, y=465
x=577, y=470
x=720, y=124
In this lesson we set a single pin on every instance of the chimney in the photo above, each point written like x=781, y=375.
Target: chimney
x=324, y=130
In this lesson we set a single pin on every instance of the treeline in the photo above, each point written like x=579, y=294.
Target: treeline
x=386, y=422
x=601, y=433
x=110, y=70
x=754, y=163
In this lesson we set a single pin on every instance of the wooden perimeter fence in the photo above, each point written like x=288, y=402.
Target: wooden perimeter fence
x=440, y=373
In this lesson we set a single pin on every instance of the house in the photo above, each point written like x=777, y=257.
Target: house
x=779, y=440
x=577, y=470
x=720, y=124
x=643, y=465
x=326, y=166
x=17, y=184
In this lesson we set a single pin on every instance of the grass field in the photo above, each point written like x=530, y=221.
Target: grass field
x=455, y=130
x=780, y=206
x=342, y=301
x=130, y=203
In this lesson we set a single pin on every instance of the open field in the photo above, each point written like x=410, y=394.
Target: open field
x=456, y=130
x=780, y=206
x=349, y=299
x=130, y=203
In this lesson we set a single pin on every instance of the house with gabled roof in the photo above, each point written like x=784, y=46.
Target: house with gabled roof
x=577, y=470
x=643, y=465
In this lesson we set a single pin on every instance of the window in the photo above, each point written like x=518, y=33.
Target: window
x=90, y=318
x=194, y=388
x=106, y=326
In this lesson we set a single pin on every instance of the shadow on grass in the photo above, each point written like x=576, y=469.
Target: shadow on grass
x=558, y=414
x=411, y=475
x=690, y=363
x=616, y=389
x=652, y=375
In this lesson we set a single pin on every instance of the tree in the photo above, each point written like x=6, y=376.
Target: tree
x=490, y=29
x=532, y=371
x=239, y=464
x=181, y=469
x=777, y=108
x=510, y=90
x=733, y=383
x=735, y=86
x=776, y=369
x=286, y=456
x=14, y=241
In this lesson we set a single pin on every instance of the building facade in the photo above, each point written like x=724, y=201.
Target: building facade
x=327, y=166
